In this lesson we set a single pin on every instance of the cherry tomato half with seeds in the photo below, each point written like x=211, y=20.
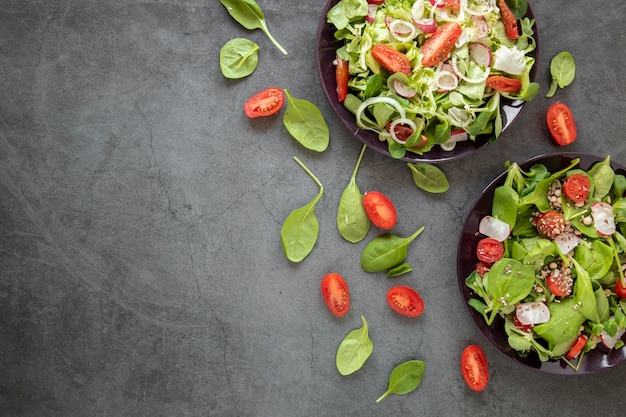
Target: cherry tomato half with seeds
x=620, y=289
x=576, y=187
x=489, y=250
x=264, y=103
x=336, y=294
x=578, y=345
x=508, y=19
x=437, y=48
x=392, y=59
x=342, y=76
x=475, y=368
x=405, y=301
x=559, y=284
x=561, y=124
x=482, y=268
x=380, y=209
x=504, y=84
x=550, y=224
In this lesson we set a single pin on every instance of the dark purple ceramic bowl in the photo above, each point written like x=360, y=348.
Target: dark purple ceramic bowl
x=326, y=47
x=593, y=361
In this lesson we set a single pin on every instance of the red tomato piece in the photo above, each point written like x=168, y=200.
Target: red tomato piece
x=475, y=368
x=550, y=224
x=561, y=124
x=336, y=294
x=376, y=2
x=509, y=20
x=437, y=48
x=559, y=284
x=342, y=76
x=405, y=301
x=523, y=327
x=576, y=187
x=392, y=59
x=264, y=103
x=402, y=132
x=578, y=345
x=504, y=84
x=620, y=289
x=489, y=250
x=482, y=268
x=380, y=209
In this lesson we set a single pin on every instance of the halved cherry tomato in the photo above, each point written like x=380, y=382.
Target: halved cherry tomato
x=336, y=294
x=576, y=187
x=437, y=48
x=342, y=76
x=620, y=289
x=405, y=301
x=264, y=103
x=504, y=84
x=402, y=132
x=475, y=368
x=523, y=327
x=559, y=284
x=578, y=345
x=482, y=268
x=380, y=209
x=489, y=250
x=509, y=20
x=561, y=124
x=392, y=59
x=550, y=224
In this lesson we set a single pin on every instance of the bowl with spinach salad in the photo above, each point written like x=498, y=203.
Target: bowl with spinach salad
x=427, y=80
x=541, y=263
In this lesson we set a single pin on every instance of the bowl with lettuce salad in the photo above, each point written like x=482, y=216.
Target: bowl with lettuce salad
x=436, y=112
x=550, y=300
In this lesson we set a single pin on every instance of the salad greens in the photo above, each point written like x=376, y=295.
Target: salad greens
x=386, y=252
x=593, y=263
x=405, y=378
x=354, y=350
x=352, y=220
x=446, y=103
x=239, y=58
x=305, y=122
x=562, y=70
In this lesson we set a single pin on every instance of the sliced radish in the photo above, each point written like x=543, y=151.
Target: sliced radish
x=532, y=313
x=481, y=27
x=403, y=89
x=567, y=241
x=426, y=25
x=493, y=227
x=610, y=341
x=457, y=135
x=603, y=218
x=480, y=54
x=371, y=12
x=402, y=30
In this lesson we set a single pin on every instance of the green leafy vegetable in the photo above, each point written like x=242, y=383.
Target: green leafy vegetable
x=305, y=122
x=354, y=350
x=429, y=178
x=396, y=271
x=239, y=58
x=352, y=220
x=563, y=70
x=301, y=228
x=249, y=15
x=405, y=378
x=386, y=251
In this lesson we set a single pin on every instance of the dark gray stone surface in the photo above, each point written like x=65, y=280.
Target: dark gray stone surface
x=141, y=270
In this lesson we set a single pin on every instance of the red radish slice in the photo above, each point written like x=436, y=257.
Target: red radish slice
x=603, y=218
x=532, y=313
x=567, y=241
x=402, y=30
x=426, y=25
x=403, y=89
x=371, y=12
x=457, y=135
x=481, y=27
x=610, y=341
x=494, y=228
x=480, y=54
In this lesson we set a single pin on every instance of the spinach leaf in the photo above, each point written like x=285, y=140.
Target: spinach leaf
x=354, y=350
x=429, y=178
x=538, y=195
x=602, y=176
x=507, y=282
x=396, y=271
x=504, y=205
x=301, y=228
x=386, y=251
x=584, y=294
x=239, y=58
x=563, y=327
x=405, y=378
x=249, y=15
x=304, y=121
x=352, y=220
x=563, y=70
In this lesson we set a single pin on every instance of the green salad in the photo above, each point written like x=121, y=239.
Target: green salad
x=426, y=73
x=551, y=260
